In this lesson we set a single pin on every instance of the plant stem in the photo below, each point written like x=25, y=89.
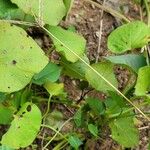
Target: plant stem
x=57, y=133
x=109, y=10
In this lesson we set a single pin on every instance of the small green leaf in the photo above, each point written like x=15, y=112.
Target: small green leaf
x=72, y=40
x=93, y=129
x=129, y=36
x=74, y=141
x=50, y=73
x=106, y=69
x=18, y=59
x=142, y=87
x=76, y=70
x=124, y=131
x=2, y=97
x=54, y=88
x=78, y=117
x=96, y=105
x=68, y=4
x=53, y=10
x=24, y=127
x=132, y=60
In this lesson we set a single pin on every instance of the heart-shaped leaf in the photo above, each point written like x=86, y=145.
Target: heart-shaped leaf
x=20, y=59
x=129, y=36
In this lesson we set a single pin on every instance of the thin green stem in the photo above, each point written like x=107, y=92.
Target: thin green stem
x=57, y=133
x=48, y=106
x=109, y=10
x=96, y=72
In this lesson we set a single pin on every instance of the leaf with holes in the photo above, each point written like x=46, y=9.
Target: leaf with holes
x=142, y=87
x=51, y=10
x=24, y=127
x=19, y=60
x=72, y=40
x=129, y=36
x=106, y=69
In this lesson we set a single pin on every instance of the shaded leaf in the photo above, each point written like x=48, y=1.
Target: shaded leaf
x=24, y=127
x=50, y=73
x=6, y=114
x=96, y=105
x=72, y=40
x=53, y=10
x=106, y=70
x=132, y=60
x=142, y=87
x=3, y=147
x=129, y=36
x=18, y=58
x=76, y=70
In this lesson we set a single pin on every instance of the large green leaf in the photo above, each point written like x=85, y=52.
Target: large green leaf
x=129, y=36
x=52, y=10
x=124, y=131
x=24, y=127
x=20, y=59
x=50, y=73
x=142, y=87
x=72, y=40
x=132, y=60
x=106, y=69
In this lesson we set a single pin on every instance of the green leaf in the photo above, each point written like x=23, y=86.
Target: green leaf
x=142, y=87
x=50, y=73
x=6, y=114
x=53, y=10
x=54, y=89
x=96, y=105
x=115, y=104
x=124, y=131
x=106, y=69
x=18, y=59
x=12, y=12
x=132, y=60
x=129, y=36
x=72, y=40
x=75, y=70
x=78, y=117
x=2, y=97
x=74, y=141
x=93, y=129
x=24, y=127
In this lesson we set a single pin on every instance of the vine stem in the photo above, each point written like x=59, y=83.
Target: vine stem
x=109, y=10
x=148, y=11
x=58, y=132
x=101, y=76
